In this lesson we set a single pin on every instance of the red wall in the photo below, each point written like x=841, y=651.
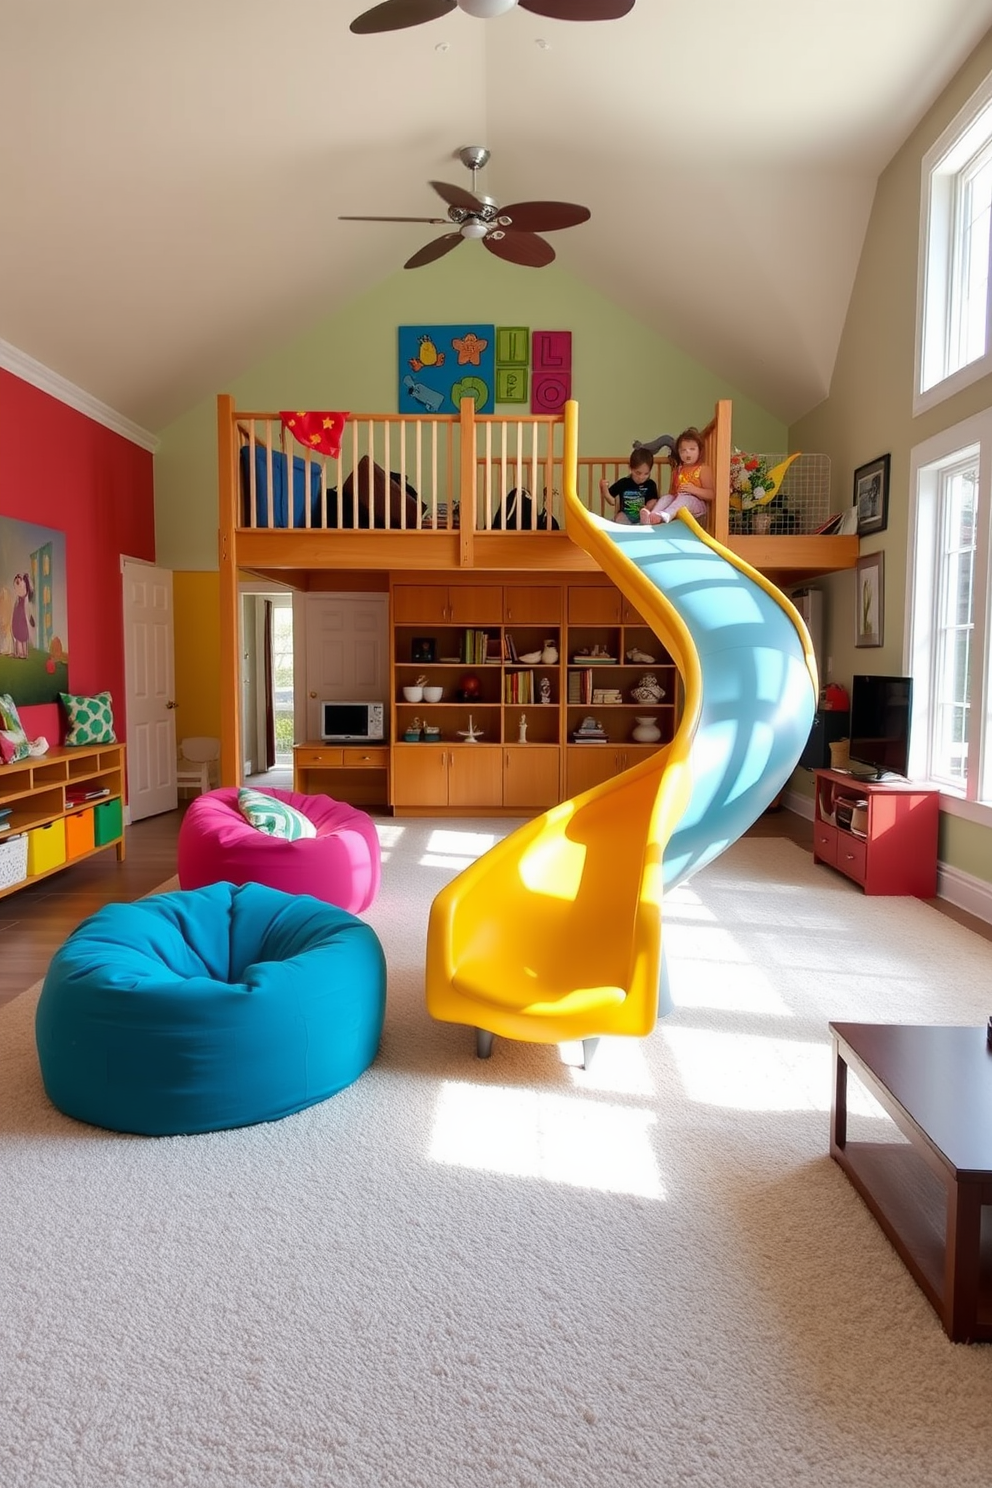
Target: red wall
x=61, y=469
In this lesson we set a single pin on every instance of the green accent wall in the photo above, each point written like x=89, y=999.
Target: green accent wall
x=870, y=411
x=629, y=382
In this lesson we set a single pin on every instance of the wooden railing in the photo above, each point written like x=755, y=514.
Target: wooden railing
x=435, y=473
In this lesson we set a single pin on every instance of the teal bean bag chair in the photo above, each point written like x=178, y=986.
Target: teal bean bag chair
x=212, y=1008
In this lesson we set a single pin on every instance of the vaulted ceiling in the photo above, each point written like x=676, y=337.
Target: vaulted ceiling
x=171, y=174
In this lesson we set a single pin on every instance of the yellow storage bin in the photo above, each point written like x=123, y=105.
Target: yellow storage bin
x=79, y=837
x=46, y=847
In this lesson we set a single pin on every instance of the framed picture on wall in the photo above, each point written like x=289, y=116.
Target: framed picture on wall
x=869, y=601
x=423, y=649
x=871, y=495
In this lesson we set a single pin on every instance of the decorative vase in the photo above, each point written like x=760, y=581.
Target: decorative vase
x=646, y=731
x=761, y=521
x=550, y=653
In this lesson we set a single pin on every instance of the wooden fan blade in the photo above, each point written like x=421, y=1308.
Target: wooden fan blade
x=578, y=10
x=433, y=221
x=457, y=196
x=396, y=15
x=544, y=216
x=519, y=247
x=430, y=251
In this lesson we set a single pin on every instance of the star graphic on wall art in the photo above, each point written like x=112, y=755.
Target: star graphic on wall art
x=469, y=349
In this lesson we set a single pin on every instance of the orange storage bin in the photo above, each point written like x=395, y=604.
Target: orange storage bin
x=46, y=847
x=79, y=833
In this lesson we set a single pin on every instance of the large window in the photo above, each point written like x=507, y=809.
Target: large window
x=954, y=317
x=950, y=613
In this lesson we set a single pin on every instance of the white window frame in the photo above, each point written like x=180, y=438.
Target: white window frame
x=974, y=800
x=946, y=160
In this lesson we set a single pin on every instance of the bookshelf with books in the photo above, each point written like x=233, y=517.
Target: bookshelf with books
x=506, y=674
x=611, y=651
x=58, y=809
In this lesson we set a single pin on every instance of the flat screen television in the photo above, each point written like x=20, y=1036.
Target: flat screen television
x=880, y=712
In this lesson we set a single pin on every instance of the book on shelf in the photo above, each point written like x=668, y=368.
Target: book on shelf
x=830, y=526
x=510, y=647
x=79, y=797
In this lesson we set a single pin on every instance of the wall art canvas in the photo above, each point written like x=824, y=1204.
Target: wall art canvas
x=441, y=364
x=551, y=371
x=34, y=642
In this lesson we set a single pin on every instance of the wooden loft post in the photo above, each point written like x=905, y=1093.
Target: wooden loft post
x=230, y=667
x=466, y=484
x=718, y=452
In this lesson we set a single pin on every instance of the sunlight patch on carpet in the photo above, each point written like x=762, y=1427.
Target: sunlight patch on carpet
x=449, y=848
x=534, y=1134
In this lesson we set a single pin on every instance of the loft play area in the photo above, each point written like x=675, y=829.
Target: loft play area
x=428, y=496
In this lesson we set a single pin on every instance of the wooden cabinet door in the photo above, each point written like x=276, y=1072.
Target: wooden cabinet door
x=420, y=775
x=628, y=615
x=530, y=775
x=475, y=775
x=593, y=606
x=587, y=765
x=420, y=604
x=540, y=605
x=475, y=604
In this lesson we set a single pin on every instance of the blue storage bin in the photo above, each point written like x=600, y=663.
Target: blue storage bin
x=280, y=505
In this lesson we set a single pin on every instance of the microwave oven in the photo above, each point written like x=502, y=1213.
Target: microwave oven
x=346, y=723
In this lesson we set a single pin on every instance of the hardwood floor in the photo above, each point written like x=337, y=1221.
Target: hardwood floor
x=35, y=921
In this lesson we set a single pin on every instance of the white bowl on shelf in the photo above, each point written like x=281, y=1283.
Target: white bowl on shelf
x=433, y=694
x=413, y=694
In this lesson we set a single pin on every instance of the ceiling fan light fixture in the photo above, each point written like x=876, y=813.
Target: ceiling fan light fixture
x=473, y=228
x=485, y=10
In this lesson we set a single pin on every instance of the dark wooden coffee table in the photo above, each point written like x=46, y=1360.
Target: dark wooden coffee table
x=932, y=1194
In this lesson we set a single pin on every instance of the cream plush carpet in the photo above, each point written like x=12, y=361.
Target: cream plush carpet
x=510, y=1273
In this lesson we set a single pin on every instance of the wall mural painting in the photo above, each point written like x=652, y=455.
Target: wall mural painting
x=34, y=644
x=441, y=364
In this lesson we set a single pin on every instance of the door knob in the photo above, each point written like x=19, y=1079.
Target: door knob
x=171, y=704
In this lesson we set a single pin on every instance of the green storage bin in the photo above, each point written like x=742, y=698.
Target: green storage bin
x=108, y=821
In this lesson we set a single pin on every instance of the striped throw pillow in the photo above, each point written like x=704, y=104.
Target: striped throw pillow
x=274, y=817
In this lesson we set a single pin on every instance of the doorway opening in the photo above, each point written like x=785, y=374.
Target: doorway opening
x=267, y=693
x=282, y=680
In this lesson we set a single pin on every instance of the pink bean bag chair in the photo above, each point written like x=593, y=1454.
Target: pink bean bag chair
x=341, y=865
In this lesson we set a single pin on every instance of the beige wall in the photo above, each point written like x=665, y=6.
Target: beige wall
x=870, y=411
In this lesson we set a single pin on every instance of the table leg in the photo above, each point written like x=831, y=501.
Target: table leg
x=838, y=1107
x=962, y=1260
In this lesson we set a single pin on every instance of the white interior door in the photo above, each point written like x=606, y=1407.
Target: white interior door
x=150, y=671
x=347, y=652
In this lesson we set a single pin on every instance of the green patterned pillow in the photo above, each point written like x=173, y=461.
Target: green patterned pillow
x=272, y=816
x=91, y=719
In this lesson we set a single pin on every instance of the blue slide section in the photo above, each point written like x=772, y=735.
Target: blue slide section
x=750, y=683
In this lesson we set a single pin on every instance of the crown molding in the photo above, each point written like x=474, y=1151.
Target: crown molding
x=28, y=370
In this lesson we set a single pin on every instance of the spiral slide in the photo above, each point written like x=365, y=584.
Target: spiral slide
x=556, y=933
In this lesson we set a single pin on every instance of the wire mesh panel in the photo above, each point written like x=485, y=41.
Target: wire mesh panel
x=803, y=503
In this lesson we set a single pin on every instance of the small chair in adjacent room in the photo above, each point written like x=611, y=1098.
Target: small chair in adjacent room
x=196, y=1011
x=193, y=767
x=341, y=863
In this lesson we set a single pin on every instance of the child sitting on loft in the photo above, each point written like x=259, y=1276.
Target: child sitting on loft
x=692, y=482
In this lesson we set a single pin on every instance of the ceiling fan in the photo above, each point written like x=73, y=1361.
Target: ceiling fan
x=509, y=232
x=397, y=15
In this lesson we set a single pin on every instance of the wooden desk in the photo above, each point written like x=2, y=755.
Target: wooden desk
x=356, y=773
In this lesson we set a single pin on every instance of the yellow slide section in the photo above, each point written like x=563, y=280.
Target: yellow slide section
x=556, y=932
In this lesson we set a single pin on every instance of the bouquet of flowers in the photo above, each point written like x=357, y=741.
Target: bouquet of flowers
x=750, y=480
